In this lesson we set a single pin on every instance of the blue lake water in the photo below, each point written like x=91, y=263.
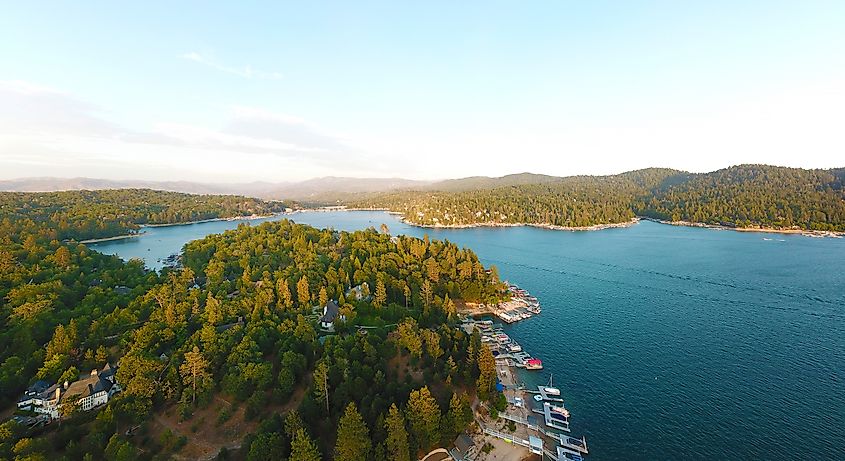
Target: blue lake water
x=669, y=343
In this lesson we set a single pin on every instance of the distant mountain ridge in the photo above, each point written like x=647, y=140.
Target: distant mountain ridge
x=487, y=182
x=324, y=189
x=52, y=184
x=745, y=196
x=333, y=188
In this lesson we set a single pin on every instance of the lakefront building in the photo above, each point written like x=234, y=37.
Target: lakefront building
x=87, y=393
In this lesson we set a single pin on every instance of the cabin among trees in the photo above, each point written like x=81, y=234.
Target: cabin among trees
x=331, y=312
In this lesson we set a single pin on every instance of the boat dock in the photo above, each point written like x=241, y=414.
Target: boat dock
x=544, y=395
x=555, y=417
x=542, y=420
x=520, y=306
x=566, y=441
x=563, y=454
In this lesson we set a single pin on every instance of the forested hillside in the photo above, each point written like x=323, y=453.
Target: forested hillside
x=741, y=196
x=754, y=196
x=230, y=348
x=573, y=202
x=107, y=213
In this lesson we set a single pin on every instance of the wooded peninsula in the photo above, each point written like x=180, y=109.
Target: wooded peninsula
x=275, y=341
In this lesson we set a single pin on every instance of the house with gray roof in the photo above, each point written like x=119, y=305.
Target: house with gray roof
x=89, y=392
x=331, y=312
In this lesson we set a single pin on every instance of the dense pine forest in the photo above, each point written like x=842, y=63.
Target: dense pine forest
x=227, y=356
x=84, y=214
x=742, y=196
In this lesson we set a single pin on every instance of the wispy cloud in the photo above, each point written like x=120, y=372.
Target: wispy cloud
x=245, y=71
x=49, y=132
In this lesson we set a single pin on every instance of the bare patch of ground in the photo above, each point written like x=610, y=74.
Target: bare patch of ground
x=205, y=437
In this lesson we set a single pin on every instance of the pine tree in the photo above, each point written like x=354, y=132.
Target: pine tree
x=486, y=372
x=409, y=338
x=353, y=438
x=424, y=418
x=302, y=448
x=321, y=383
x=432, y=344
x=62, y=257
x=212, y=310
x=293, y=423
x=397, y=436
x=451, y=369
x=459, y=414
x=449, y=307
x=432, y=270
x=427, y=293
x=381, y=293
x=323, y=297
x=302, y=292
x=285, y=299
x=194, y=371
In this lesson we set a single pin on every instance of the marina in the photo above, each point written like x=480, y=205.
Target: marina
x=536, y=419
x=521, y=305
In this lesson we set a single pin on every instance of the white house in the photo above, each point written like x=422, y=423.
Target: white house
x=89, y=392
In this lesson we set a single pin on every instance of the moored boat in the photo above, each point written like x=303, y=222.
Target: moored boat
x=550, y=389
x=534, y=364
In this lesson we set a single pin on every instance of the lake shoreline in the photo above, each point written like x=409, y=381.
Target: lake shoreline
x=597, y=227
x=110, y=239
x=187, y=223
x=232, y=218
x=767, y=230
x=547, y=226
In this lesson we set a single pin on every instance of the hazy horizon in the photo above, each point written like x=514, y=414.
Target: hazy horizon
x=289, y=92
x=317, y=178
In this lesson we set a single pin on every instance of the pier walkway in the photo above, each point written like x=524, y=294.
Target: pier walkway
x=534, y=443
x=566, y=441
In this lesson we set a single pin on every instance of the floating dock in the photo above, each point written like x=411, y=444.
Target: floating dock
x=564, y=454
x=556, y=417
x=544, y=430
x=545, y=396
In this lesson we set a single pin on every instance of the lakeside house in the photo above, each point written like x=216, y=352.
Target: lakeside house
x=88, y=393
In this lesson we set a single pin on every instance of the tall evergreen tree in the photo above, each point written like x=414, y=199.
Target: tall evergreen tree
x=353, y=438
x=397, y=436
x=486, y=372
x=424, y=418
x=302, y=292
x=303, y=448
x=194, y=371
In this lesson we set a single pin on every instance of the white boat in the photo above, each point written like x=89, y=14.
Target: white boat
x=551, y=390
x=560, y=410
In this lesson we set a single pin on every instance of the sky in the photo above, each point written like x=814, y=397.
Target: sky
x=286, y=91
